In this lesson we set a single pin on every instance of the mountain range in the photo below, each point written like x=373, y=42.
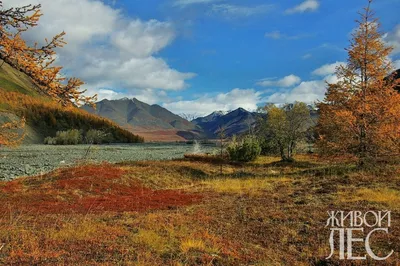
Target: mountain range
x=156, y=123
x=232, y=123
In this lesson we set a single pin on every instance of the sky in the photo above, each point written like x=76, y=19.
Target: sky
x=198, y=56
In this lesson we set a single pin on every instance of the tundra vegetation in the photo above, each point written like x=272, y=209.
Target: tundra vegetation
x=269, y=211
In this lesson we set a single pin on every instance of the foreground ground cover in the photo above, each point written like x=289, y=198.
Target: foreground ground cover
x=183, y=212
x=29, y=160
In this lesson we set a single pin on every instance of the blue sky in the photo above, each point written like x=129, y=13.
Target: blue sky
x=198, y=56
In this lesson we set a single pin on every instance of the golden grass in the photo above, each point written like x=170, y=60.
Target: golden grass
x=193, y=245
x=251, y=186
x=387, y=196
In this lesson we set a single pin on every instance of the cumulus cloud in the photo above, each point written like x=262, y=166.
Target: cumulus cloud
x=285, y=82
x=392, y=38
x=81, y=20
x=245, y=98
x=307, y=91
x=306, y=6
x=229, y=10
x=327, y=69
x=142, y=39
x=106, y=49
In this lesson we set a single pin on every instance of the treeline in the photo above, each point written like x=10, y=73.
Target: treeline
x=75, y=137
x=50, y=117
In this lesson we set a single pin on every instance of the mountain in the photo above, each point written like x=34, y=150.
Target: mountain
x=19, y=97
x=153, y=122
x=236, y=122
x=397, y=76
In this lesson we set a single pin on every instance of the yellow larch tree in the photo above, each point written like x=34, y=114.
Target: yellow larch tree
x=360, y=114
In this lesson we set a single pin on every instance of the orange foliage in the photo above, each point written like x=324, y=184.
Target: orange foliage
x=9, y=133
x=361, y=113
x=37, y=62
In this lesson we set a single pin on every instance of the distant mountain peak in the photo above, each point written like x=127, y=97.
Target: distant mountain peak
x=235, y=122
x=219, y=113
x=134, y=114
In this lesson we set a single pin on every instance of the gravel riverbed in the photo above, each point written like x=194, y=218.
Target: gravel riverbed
x=28, y=160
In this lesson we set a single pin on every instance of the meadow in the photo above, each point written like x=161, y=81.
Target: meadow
x=27, y=160
x=187, y=212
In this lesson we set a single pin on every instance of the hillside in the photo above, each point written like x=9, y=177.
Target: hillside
x=151, y=121
x=19, y=97
x=16, y=81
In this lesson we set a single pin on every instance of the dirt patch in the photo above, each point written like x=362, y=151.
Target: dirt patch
x=87, y=189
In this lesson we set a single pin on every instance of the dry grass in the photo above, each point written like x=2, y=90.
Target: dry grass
x=188, y=213
x=387, y=196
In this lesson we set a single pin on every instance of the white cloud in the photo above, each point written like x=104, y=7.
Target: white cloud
x=393, y=39
x=149, y=72
x=327, y=69
x=245, y=98
x=396, y=64
x=308, y=91
x=306, y=56
x=106, y=49
x=81, y=20
x=184, y=3
x=229, y=10
x=148, y=96
x=306, y=6
x=142, y=39
x=277, y=35
x=285, y=82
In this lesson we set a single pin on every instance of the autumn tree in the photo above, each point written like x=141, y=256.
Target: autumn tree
x=360, y=114
x=36, y=61
x=283, y=128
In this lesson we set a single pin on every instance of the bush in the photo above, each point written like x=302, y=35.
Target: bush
x=246, y=150
x=70, y=137
x=94, y=136
x=50, y=141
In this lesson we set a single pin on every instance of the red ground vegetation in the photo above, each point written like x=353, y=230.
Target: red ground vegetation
x=95, y=188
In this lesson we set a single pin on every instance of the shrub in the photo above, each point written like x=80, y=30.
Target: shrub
x=245, y=150
x=94, y=136
x=50, y=141
x=70, y=137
